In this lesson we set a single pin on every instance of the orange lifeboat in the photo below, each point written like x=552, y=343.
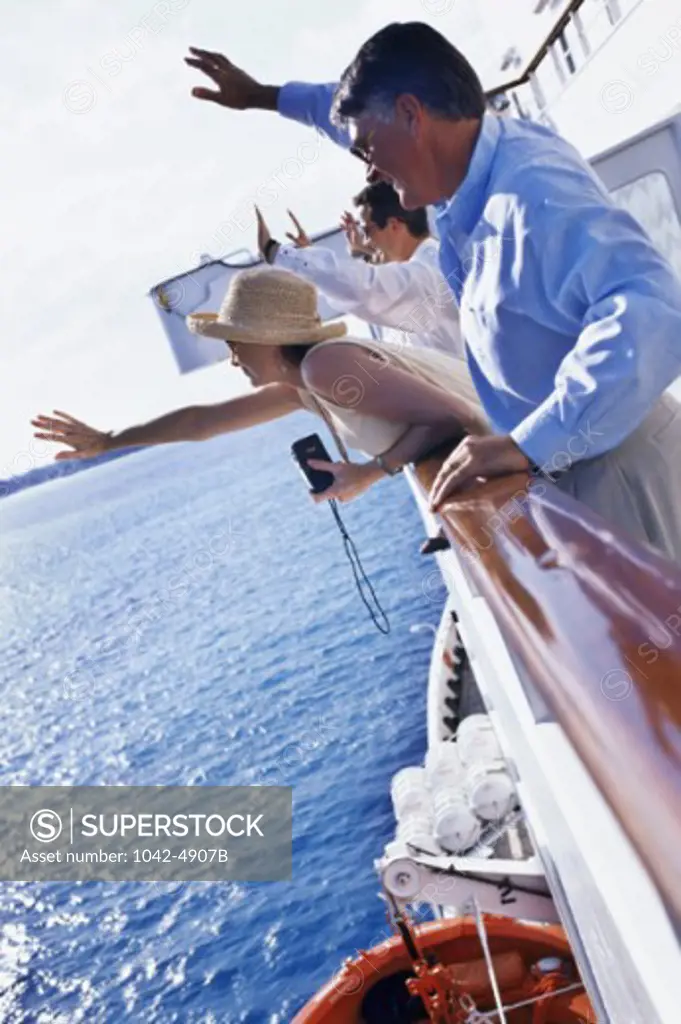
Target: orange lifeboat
x=439, y=972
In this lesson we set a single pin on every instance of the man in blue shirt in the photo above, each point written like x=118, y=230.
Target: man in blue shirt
x=571, y=318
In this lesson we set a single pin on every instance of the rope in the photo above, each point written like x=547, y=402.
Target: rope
x=482, y=932
x=532, y=1001
x=371, y=602
x=500, y=1011
x=361, y=578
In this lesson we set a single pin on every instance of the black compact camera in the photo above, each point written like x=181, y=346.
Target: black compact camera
x=312, y=447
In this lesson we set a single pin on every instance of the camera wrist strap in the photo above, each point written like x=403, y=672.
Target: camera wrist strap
x=362, y=582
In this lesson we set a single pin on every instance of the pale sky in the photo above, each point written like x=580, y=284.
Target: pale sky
x=114, y=178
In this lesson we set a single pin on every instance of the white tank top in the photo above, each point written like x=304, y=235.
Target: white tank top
x=374, y=436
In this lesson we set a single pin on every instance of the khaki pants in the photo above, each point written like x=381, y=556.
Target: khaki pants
x=637, y=486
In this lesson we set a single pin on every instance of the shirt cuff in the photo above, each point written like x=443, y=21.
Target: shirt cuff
x=293, y=101
x=544, y=440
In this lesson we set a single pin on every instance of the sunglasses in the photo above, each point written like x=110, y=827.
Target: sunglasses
x=360, y=154
x=361, y=147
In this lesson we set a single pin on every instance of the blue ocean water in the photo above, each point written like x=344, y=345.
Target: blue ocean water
x=187, y=616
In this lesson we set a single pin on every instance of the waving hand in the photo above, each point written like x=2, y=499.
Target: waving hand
x=83, y=441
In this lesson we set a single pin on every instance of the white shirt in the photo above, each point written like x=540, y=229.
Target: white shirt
x=411, y=299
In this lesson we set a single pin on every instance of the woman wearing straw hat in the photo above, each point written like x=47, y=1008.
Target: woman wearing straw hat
x=393, y=405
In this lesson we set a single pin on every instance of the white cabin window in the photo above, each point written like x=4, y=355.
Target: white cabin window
x=650, y=200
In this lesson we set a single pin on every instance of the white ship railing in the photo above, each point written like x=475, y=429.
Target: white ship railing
x=576, y=39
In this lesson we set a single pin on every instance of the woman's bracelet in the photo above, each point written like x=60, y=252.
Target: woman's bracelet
x=380, y=462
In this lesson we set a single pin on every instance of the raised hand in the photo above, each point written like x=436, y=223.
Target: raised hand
x=267, y=246
x=83, y=442
x=235, y=89
x=357, y=243
x=301, y=239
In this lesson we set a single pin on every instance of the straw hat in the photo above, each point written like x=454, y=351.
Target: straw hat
x=267, y=306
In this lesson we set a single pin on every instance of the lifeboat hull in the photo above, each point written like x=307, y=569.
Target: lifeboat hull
x=353, y=995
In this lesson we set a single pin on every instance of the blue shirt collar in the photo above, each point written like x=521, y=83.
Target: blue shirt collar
x=463, y=210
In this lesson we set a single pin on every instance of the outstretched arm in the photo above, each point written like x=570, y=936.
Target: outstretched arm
x=194, y=423
x=390, y=294
x=300, y=101
x=310, y=104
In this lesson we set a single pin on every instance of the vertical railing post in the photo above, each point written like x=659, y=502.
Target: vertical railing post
x=614, y=10
x=578, y=22
x=558, y=65
x=538, y=93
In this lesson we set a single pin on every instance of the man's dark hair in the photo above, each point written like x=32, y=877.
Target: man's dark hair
x=384, y=202
x=409, y=57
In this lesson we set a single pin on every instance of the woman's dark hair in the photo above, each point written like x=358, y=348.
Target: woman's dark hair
x=409, y=57
x=294, y=354
x=384, y=202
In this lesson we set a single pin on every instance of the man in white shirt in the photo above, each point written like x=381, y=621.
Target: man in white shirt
x=406, y=295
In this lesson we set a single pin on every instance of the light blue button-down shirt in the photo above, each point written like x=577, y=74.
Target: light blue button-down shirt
x=571, y=318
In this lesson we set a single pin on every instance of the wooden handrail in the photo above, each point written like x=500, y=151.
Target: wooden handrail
x=594, y=621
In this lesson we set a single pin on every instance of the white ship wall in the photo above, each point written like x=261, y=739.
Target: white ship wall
x=631, y=82
x=203, y=289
